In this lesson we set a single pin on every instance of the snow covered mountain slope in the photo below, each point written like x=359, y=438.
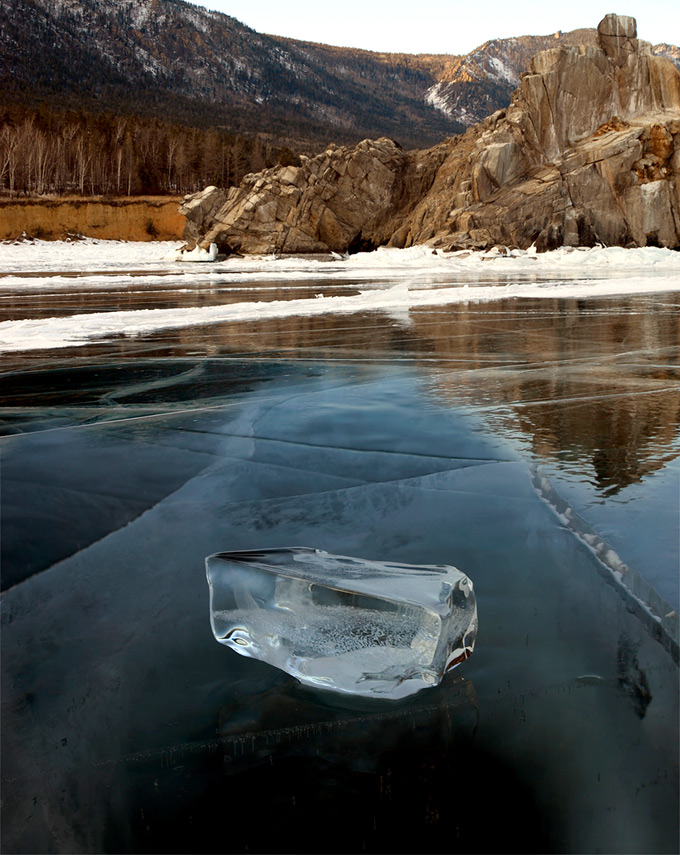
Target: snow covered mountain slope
x=173, y=59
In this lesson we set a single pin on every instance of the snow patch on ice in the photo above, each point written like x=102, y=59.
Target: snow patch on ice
x=197, y=254
x=34, y=256
x=93, y=254
x=81, y=329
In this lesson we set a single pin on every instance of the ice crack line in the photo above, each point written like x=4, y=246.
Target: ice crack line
x=653, y=610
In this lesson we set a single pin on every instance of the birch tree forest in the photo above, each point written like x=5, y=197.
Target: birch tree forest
x=48, y=153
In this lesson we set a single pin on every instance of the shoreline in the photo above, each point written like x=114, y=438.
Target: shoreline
x=129, y=218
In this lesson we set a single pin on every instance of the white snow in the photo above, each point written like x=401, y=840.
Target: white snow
x=83, y=255
x=500, y=71
x=389, y=280
x=436, y=99
x=197, y=254
x=89, y=254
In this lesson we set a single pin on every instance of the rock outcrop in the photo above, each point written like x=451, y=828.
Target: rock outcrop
x=323, y=204
x=588, y=151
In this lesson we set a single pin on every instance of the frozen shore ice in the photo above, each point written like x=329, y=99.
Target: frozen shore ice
x=387, y=280
x=349, y=625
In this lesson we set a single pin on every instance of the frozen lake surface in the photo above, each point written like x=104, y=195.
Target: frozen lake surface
x=517, y=417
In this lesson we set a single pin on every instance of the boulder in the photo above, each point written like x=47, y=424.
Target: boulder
x=617, y=36
x=588, y=151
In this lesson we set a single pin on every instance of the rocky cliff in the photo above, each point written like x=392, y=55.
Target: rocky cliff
x=587, y=151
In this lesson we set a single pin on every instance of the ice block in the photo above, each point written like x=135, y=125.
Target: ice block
x=349, y=625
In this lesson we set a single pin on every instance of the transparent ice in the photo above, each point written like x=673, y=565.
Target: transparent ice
x=344, y=624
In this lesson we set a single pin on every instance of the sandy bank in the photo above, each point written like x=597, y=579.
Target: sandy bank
x=131, y=218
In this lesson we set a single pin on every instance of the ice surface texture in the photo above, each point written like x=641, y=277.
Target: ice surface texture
x=358, y=627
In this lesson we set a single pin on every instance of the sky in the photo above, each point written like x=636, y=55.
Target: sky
x=439, y=26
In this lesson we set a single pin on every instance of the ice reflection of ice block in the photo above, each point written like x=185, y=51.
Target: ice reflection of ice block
x=345, y=624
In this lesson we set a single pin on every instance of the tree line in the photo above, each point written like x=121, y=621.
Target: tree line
x=47, y=152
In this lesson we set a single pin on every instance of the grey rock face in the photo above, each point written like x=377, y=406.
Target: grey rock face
x=322, y=205
x=588, y=150
x=200, y=210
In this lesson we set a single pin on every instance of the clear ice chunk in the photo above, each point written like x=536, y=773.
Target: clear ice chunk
x=348, y=625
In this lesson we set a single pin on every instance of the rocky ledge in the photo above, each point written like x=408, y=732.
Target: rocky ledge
x=588, y=151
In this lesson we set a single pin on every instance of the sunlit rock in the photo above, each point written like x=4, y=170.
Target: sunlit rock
x=587, y=152
x=349, y=625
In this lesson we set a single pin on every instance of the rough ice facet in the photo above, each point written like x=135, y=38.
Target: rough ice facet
x=345, y=624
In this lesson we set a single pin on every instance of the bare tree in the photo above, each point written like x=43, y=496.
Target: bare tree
x=82, y=162
x=9, y=141
x=48, y=151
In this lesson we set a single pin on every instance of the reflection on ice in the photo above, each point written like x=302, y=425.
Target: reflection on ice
x=345, y=624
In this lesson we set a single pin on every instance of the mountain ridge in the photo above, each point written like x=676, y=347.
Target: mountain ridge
x=174, y=59
x=171, y=58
